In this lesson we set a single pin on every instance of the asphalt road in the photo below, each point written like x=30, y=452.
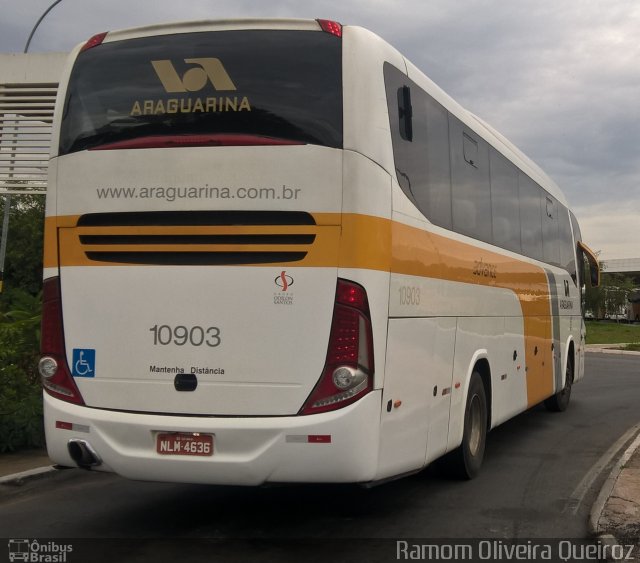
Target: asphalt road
x=541, y=475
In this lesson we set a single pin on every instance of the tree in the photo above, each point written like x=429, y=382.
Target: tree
x=20, y=393
x=23, y=263
x=20, y=310
x=610, y=298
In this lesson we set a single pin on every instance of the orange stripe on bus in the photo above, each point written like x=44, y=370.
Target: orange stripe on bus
x=361, y=242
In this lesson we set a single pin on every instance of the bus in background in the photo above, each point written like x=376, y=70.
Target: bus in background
x=275, y=251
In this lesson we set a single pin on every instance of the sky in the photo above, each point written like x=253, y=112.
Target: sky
x=559, y=78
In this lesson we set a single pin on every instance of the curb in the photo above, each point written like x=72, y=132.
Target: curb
x=601, y=350
x=605, y=492
x=29, y=475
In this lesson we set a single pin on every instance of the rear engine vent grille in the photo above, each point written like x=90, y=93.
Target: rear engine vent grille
x=195, y=218
x=215, y=258
x=196, y=238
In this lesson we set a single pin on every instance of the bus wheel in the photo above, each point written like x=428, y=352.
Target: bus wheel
x=465, y=462
x=560, y=401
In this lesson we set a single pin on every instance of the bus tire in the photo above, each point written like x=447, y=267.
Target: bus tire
x=560, y=401
x=465, y=462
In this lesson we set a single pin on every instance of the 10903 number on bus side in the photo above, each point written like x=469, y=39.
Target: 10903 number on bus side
x=409, y=295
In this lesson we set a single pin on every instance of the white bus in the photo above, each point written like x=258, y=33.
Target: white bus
x=277, y=252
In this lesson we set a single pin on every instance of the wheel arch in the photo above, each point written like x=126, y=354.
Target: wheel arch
x=480, y=363
x=463, y=460
x=484, y=369
x=569, y=359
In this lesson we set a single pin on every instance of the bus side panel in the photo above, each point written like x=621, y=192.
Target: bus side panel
x=366, y=120
x=566, y=327
x=540, y=376
x=483, y=338
x=366, y=241
x=417, y=393
x=580, y=345
x=50, y=251
x=510, y=394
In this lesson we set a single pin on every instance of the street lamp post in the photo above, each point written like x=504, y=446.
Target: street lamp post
x=26, y=47
x=7, y=197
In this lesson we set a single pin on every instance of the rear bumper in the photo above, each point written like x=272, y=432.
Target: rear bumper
x=247, y=451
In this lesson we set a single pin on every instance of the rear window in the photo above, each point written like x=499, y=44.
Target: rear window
x=273, y=83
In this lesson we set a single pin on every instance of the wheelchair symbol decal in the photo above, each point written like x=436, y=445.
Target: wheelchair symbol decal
x=84, y=362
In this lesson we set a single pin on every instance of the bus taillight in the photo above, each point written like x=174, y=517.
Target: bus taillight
x=94, y=41
x=54, y=372
x=328, y=26
x=348, y=370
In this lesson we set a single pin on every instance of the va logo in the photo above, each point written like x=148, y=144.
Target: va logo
x=195, y=79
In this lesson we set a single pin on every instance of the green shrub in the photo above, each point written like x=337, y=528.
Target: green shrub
x=23, y=265
x=20, y=309
x=21, y=423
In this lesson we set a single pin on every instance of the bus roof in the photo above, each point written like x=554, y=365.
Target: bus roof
x=209, y=25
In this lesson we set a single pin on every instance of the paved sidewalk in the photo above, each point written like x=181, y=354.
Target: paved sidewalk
x=617, y=510
x=610, y=349
x=19, y=463
x=621, y=515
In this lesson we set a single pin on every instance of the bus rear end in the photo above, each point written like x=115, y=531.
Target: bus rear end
x=195, y=327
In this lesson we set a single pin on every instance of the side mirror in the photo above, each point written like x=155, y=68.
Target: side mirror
x=594, y=267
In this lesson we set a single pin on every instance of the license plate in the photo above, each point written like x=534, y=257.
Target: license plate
x=176, y=443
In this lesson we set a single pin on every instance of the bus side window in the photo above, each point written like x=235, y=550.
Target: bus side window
x=404, y=161
x=470, y=150
x=567, y=254
x=550, y=246
x=592, y=262
x=505, y=206
x=405, y=113
x=530, y=217
x=575, y=250
x=420, y=141
x=435, y=203
x=470, y=186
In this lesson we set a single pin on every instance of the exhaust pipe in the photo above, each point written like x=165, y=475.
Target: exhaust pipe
x=83, y=454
